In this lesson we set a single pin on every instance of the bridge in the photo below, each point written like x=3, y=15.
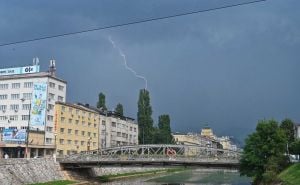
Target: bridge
x=154, y=155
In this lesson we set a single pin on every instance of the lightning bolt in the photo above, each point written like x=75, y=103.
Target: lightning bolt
x=125, y=62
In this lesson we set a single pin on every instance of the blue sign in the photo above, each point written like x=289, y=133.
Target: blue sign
x=38, y=106
x=20, y=70
x=14, y=135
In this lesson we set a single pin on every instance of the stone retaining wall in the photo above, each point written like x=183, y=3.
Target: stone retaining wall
x=27, y=171
x=119, y=170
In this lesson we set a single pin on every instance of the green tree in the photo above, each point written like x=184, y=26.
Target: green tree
x=119, y=109
x=101, y=101
x=164, y=135
x=295, y=147
x=267, y=143
x=145, y=121
x=289, y=129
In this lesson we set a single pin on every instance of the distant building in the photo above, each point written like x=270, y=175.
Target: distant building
x=207, y=132
x=27, y=98
x=194, y=139
x=297, y=130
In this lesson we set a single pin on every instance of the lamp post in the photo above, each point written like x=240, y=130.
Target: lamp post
x=27, y=129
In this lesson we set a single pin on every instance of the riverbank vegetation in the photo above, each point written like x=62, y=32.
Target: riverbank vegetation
x=265, y=152
x=291, y=175
x=107, y=178
x=61, y=182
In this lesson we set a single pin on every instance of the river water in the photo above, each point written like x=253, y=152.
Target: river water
x=188, y=177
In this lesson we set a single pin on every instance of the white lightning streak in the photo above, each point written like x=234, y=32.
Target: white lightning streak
x=125, y=62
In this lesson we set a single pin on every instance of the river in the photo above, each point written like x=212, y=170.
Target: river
x=188, y=177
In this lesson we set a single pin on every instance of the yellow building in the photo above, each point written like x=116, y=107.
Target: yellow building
x=76, y=128
x=207, y=132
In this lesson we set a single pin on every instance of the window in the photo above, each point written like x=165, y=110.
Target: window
x=130, y=129
x=15, y=96
x=69, y=142
x=51, y=96
x=3, y=86
x=89, y=134
x=113, y=124
x=77, y=122
x=28, y=84
x=89, y=124
x=70, y=120
x=13, y=118
x=60, y=98
x=63, y=108
x=52, y=85
x=27, y=96
x=25, y=106
x=82, y=133
x=3, y=118
x=77, y=111
x=69, y=131
x=60, y=87
x=49, y=129
x=15, y=85
x=76, y=132
x=62, y=130
x=3, y=96
x=94, y=134
x=62, y=119
x=76, y=142
x=134, y=129
x=23, y=127
x=95, y=125
x=50, y=118
x=61, y=141
x=48, y=140
x=3, y=107
x=82, y=142
x=14, y=107
x=50, y=107
x=25, y=117
x=119, y=134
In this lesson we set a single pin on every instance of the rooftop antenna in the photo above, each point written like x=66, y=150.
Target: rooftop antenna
x=35, y=61
x=52, y=68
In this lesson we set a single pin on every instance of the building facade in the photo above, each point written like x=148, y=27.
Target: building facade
x=23, y=104
x=76, y=128
x=116, y=130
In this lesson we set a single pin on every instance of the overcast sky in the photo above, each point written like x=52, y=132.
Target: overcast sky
x=227, y=68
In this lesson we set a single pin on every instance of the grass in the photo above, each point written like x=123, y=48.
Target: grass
x=291, y=176
x=107, y=178
x=61, y=182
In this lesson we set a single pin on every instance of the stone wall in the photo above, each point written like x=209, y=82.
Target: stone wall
x=119, y=170
x=27, y=171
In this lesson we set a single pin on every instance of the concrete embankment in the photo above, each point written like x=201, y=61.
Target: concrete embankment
x=27, y=171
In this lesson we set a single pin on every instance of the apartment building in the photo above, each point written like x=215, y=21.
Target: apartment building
x=27, y=99
x=76, y=128
x=117, y=130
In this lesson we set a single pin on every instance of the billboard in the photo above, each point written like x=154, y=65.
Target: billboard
x=14, y=135
x=38, y=106
x=20, y=70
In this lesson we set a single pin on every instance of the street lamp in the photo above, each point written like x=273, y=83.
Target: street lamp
x=27, y=129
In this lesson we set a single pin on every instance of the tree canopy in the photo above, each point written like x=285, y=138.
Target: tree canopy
x=119, y=109
x=163, y=133
x=101, y=101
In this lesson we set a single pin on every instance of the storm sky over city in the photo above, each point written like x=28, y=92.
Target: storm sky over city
x=227, y=68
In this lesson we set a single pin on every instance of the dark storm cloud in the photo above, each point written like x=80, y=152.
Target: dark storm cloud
x=228, y=68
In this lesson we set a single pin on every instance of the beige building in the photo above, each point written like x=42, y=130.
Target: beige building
x=76, y=128
x=207, y=132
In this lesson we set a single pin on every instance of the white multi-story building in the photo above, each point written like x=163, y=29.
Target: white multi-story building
x=16, y=101
x=116, y=130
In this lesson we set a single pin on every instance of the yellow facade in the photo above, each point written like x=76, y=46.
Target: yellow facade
x=207, y=132
x=76, y=129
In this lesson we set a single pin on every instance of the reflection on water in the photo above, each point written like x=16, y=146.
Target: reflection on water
x=188, y=177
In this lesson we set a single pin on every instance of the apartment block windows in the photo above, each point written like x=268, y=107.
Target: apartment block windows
x=113, y=124
x=13, y=118
x=3, y=107
x=26, y=106
x=3, y=86
x=50, y=107
x=15, y=96
x=60, y=87
x=28, y=84
x=60, y=98
x=27, y=96
x=3, y=96
x=51, y=96
x=3, y=118
x=15, y=85
x=49, y=118
x=25, y=117
x=52, y=85
x=62, y=130
x=14, y=107
x=69, y=131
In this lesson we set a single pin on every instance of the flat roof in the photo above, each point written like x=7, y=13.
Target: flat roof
x=31, y=75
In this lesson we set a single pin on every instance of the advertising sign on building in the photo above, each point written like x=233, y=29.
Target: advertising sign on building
x=20, y=70
x=14, y=135
x=38, y=106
